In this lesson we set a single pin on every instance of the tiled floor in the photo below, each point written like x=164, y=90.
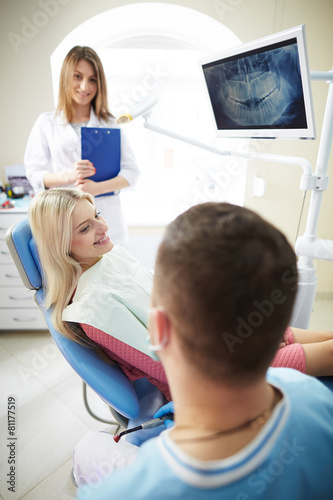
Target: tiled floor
x=50, y=416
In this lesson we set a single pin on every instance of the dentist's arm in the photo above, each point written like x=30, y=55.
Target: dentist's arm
x=81, y=170
x=96, y=188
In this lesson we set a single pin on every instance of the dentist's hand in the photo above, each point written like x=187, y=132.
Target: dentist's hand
x=83, y=169
x=164, y=410
x=88, y=186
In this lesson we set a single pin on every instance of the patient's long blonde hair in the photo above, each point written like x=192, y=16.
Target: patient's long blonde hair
x=50, y=216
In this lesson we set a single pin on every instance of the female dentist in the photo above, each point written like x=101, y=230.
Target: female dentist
x=53, y=153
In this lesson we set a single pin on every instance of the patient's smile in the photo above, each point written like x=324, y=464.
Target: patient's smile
x=103, y=240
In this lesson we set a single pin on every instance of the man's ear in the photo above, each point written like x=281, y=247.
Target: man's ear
x=162, y=326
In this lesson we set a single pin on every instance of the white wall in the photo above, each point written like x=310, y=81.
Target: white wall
x=31, y=30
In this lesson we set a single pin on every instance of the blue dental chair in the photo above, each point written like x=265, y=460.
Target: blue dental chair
x=108, y=381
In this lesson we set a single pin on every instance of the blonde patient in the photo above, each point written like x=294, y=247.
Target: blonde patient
x=98, y=292
x=71, y=237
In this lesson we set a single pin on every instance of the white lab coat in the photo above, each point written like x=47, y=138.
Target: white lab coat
x=54, y=146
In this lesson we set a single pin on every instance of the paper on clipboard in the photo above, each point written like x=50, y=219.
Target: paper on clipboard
x=101, y=146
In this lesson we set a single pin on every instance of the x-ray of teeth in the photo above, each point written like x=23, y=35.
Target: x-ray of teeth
x=258, y=91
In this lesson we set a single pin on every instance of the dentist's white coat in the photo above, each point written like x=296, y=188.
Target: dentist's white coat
x=54, y=146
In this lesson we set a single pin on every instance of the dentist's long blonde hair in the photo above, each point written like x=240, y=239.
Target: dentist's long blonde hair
x=50, y=216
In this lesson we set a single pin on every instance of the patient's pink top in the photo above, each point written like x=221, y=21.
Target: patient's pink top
x=135, y=364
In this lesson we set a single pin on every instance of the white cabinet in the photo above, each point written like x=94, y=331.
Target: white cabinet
x=18, y=310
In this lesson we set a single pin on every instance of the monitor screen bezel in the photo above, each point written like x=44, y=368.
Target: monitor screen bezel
x=297, y=32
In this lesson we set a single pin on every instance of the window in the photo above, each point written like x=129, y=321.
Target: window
x=158, y=54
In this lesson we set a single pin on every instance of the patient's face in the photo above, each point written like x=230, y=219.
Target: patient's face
x=89, y=235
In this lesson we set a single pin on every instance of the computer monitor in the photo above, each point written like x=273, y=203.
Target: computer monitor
x=261, y=88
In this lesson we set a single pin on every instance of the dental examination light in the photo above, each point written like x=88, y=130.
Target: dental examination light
x=143, y=107
x=308, y=247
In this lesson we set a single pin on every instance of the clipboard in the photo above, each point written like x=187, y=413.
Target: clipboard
x=101, y=146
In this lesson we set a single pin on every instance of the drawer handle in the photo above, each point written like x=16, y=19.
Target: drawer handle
x=4, y=253
x=12, y=276
x=20, y=320
x=19, y=298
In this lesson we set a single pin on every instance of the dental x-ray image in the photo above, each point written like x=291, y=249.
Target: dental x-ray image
x=259, y=89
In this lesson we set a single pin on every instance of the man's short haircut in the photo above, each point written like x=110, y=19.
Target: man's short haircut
x=228, y=280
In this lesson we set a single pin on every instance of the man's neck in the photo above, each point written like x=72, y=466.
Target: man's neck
x=205, y=410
